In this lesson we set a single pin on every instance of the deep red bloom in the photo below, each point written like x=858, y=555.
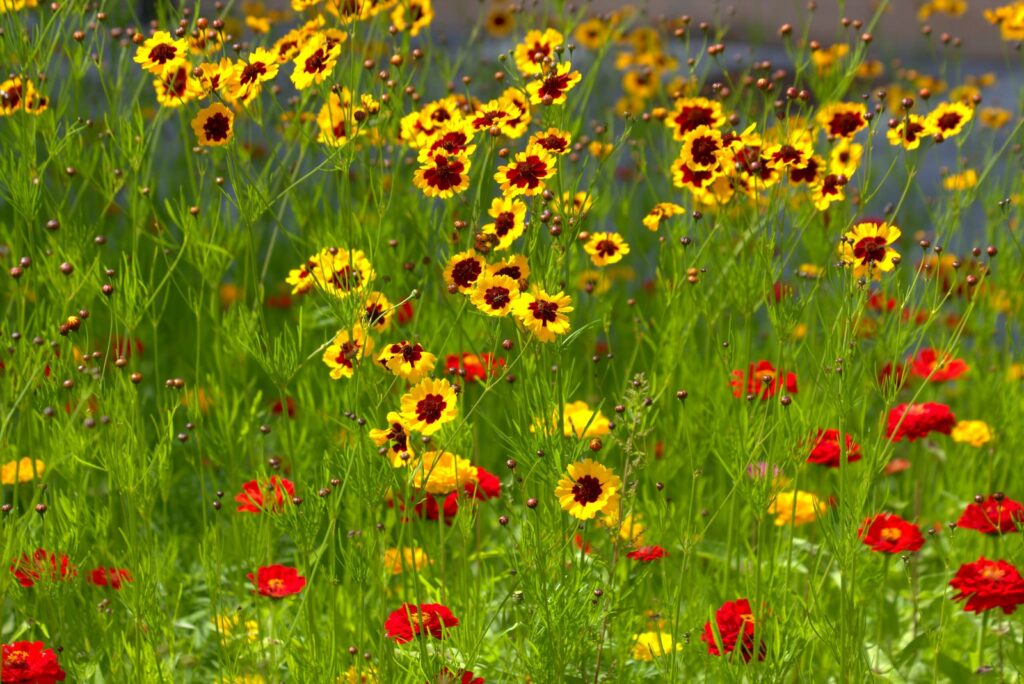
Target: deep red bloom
x=647, y=554
x=446, y=676
x=278, y=408
x=475, y=367
x=29, y=662
x=889, y=533
x=827, y=451
x=992, y=516
x=42, y=566
x=762, y=380
x=988, y=584
x=781, y=290
x=487, y=486
x=110, y=577
x=895, y=374
x=915, y=421
x=251, y=499
x=277, y=581
x=735, y=623
x=411, y=620
x=934, y=368
x=404, y=313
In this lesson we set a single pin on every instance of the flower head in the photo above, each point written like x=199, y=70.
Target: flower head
x=542, y=314
x=977, y=433
x=277, y=581
x=442, y=472
x=734, y=627
x=796, y=508
x=936, y=367
x=214, y=125
x=428, y=406
x=988, y=584
x=588, y=489
x=762, y=380
x=411, y=621
x=651, y=645
x=20, y=471
x=526, y=173
x=827, y=449
x=994, y=515
x=347, y=349
x=915, y=421
x=29, y=662
x=868, y=248
x=252, y=499
x=42, y=566
x=605, y=248
x=408, y=360
x=111, y=577
x=889, y=533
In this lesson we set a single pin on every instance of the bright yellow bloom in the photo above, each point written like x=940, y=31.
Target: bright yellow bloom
x=542, y=314
x=21, y=471
x=796, y=508
x=994, y=117
x=1009, y=19
x=398, y=561
x=526, y=172
x=214, y=125
x=703, y=149
x=588, y=489
x=228, y=626
x=407, y=360
x=867, y=246
x=651, y=645
x=442, y=472
x=494, y=295
x=605, y=248
x=825, y=59
x=552, y=87
x=535, y=48
x=315, y=61
x=347, y=349
x=661, y=211
x=396, y=437
x=948, y=119
x=442, y=175
x=961, y=181
x=845, y=157
x=160, y=53
x=974, y=432
x=428, y=406
x=252, y=72
x=509, y=216
x=843, y=119
x=412, y=15
x=177, y=86
x=910, y=131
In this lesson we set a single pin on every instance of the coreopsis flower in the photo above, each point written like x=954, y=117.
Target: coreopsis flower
x=762, y=380
x=916, y=421
x=824, y=183
x=953, y=8
x=20, y=471
x=411, y=621
x=177, y=86
x=346, y=349
x=453, y=138
x=251, y=73
x=734, y=629
x=526, y=173
x=703, y=149
x=843, y=119
x=338, y=119
x=542, y=314
x=794, y=152
x=592, y=33
x=229, y=626
x=827, y=449
x=909, y=131
x=494, y=295
x=651, y=645
x=589, y=488
x=473, y=368
x=553, y=85
x=407, y=360
x=397, y=561
x=277, y=581
x=581, y=422
x=515, y=266
x=660, y=212
x=29, y=662
x=253, y=497
x=214, y=125
x=845, y=157
x=442, y=472
x=441, y=174
x=464, y=270
x=214, y=76
x=647, y=554
x=948, y=119
x=826, y=59
x=994, y=117
x=342, y=272
x=161, y=53
x=377, y=311
x=17, y=95
x=988, y=584
x=315, y=61
x=977, y=433
x=796, y=508
x=111, y=577
x=995, y=515
x=516, y=125
x=889, y=533
x=961, y=181
x=867, y=246
x=428, y=406
x=303, y=279
x=828, y=190
x=1009, y=19
x=42, y=566
x=509, y=216
x=396, y=437
x=691, y=113
x=695, y=181
x=535, y=48
x=554, y=140
x=605, y=248
x=500, y=21
x=412, y=15
x=936, y=367
x=493, y=115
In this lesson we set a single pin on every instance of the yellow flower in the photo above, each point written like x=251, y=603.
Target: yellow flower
x=494, y=295
x=554, y=140
x=579, y=420
x=974, y=432
x=397, y=438
x=909, y=131
x=867, y=246
x=214, y=125
x=592, y=34
x=526, y=172
x=535, y=48
x=703, y=149
x=21, y=471
x=948, y=119
x=441, y=174
x=826, y=59
x=346, y=350
x=500, y=21
x=692, y=112
x=953, y=8
x=442, y=472
x=994, y=117
x=651, y=645
x=961, y=181
x=843, y=119
x=177, y=86
x=18, y=95
x=315, y=62
x=514, y=266
x=463, y=270
x=630, y=530
x=215, y=75
x=377, y=311
x=412, y=15
x=828, y=190
x=796, y=508
x=341, y=272
x=228, y=625
x=605, y=248
x=588, y=489
x=509, y=216
x=408, y=558
x=428, y=406
x=252, y=72
x=407, y=360
x=543, y=314
x=553, y=86
x=161, y=53
x=845, y=157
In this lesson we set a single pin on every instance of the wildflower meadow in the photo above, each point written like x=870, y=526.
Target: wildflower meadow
x=386, y=341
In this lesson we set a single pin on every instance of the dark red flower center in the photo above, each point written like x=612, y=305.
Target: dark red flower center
x=446, y=173
x=870, y=249
x=252, y=72
x=430, y=408
x=949, y=121
x=606, y=248
x=316, y=62
x=527, y=173
x=466, y=272
x=505, y=222
x=703, y=150
x=690, y=118
x=217, y=128
x=845, y=124
x=162, y=53
x=586, y=490
x=544, y=310
x=497, y=297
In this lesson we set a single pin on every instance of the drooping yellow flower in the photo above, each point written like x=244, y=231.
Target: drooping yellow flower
x=252, y=72
x=542, y=314
x=397, y=561
x=589, y=488
x=796, y=508
x=651, y=645
x=396, y=437
x=428, y=406
x=974, y=432
x=660, y=212
x=442, y=472
x=21, y=471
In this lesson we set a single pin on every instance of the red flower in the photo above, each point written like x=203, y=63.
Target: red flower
x=110, y=577
x=735, y=623
x=897, y=466
x=933, y=368
x=915, y=421
x=487, y=485
x=411, y=621
x=278, y=408
x=446, y=676
x=827, y=451
x=762, y=380
x=474, y=367
x=42, y=566
x=277, y=581
x=988, y=584
x=889, y=533
x=895, y=374
x=404, y=313
x=992, y=516
x=647, y=554
x=578, y=540
x=251, y=498
x=31, y=663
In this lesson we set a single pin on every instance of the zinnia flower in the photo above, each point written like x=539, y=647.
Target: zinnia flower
x=647, y=554
x=995, y=515
x=915, y=421
x=796, y=508
x=889, y=533
x=988, y=584
x=933, y=367
x=110, y=577
x=277, y=581
x=734, y=623
x=29, y=662
x=42, y=566
x=251, y=499
x=411, y=620
x=762, y=380
x=828, y=452
x=588, y=489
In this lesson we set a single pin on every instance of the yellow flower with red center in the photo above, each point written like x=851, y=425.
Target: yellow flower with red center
x=828, y=190
x=592, y=34
x=910, y=131
x=843, y=119
x=542, y=314
x=515, y=266
x=160, y=53
x=553, y=86
x=605, y=248
x=336, y=119
x=341, y=272
x=213, y=76
x=377, y=311
x=214, y=125
x=177, y=86
x=500, y=21
x=495, y=294
x=428, y=406
x=588, y=488
x=994, y=117
x=554, y=140
x=660, y=212
x=251, y=73
x=796, y=508
x=441, y=174
x=397, y=561
x=1009, y=19
x=20, y=471
x=394, y=440
x=977, y=433
x=845, y=157
x=347, y=349
x=691, y=113
x=442, y=472
x=526, y=173
x=17, y=94
x=463, y=270
x=793, y=153
x=535, y=48
x=315, y=61
x=868, y=248
x=509, y=216
x=412, y=15
x=453, y=138
x=407, y=360
x=948, y=119
x=703, y=149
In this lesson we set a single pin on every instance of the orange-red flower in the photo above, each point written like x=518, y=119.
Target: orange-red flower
x=253, y=500
x=734, y=624
x=889, y=533
x=988, y=584
x=411, y=620
x=994, y=515
x=29, y=662
x=277, y=581
x=42, y=566
x=827, y=450
x=933, y=367
x=915, y=421
x=762, y=380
